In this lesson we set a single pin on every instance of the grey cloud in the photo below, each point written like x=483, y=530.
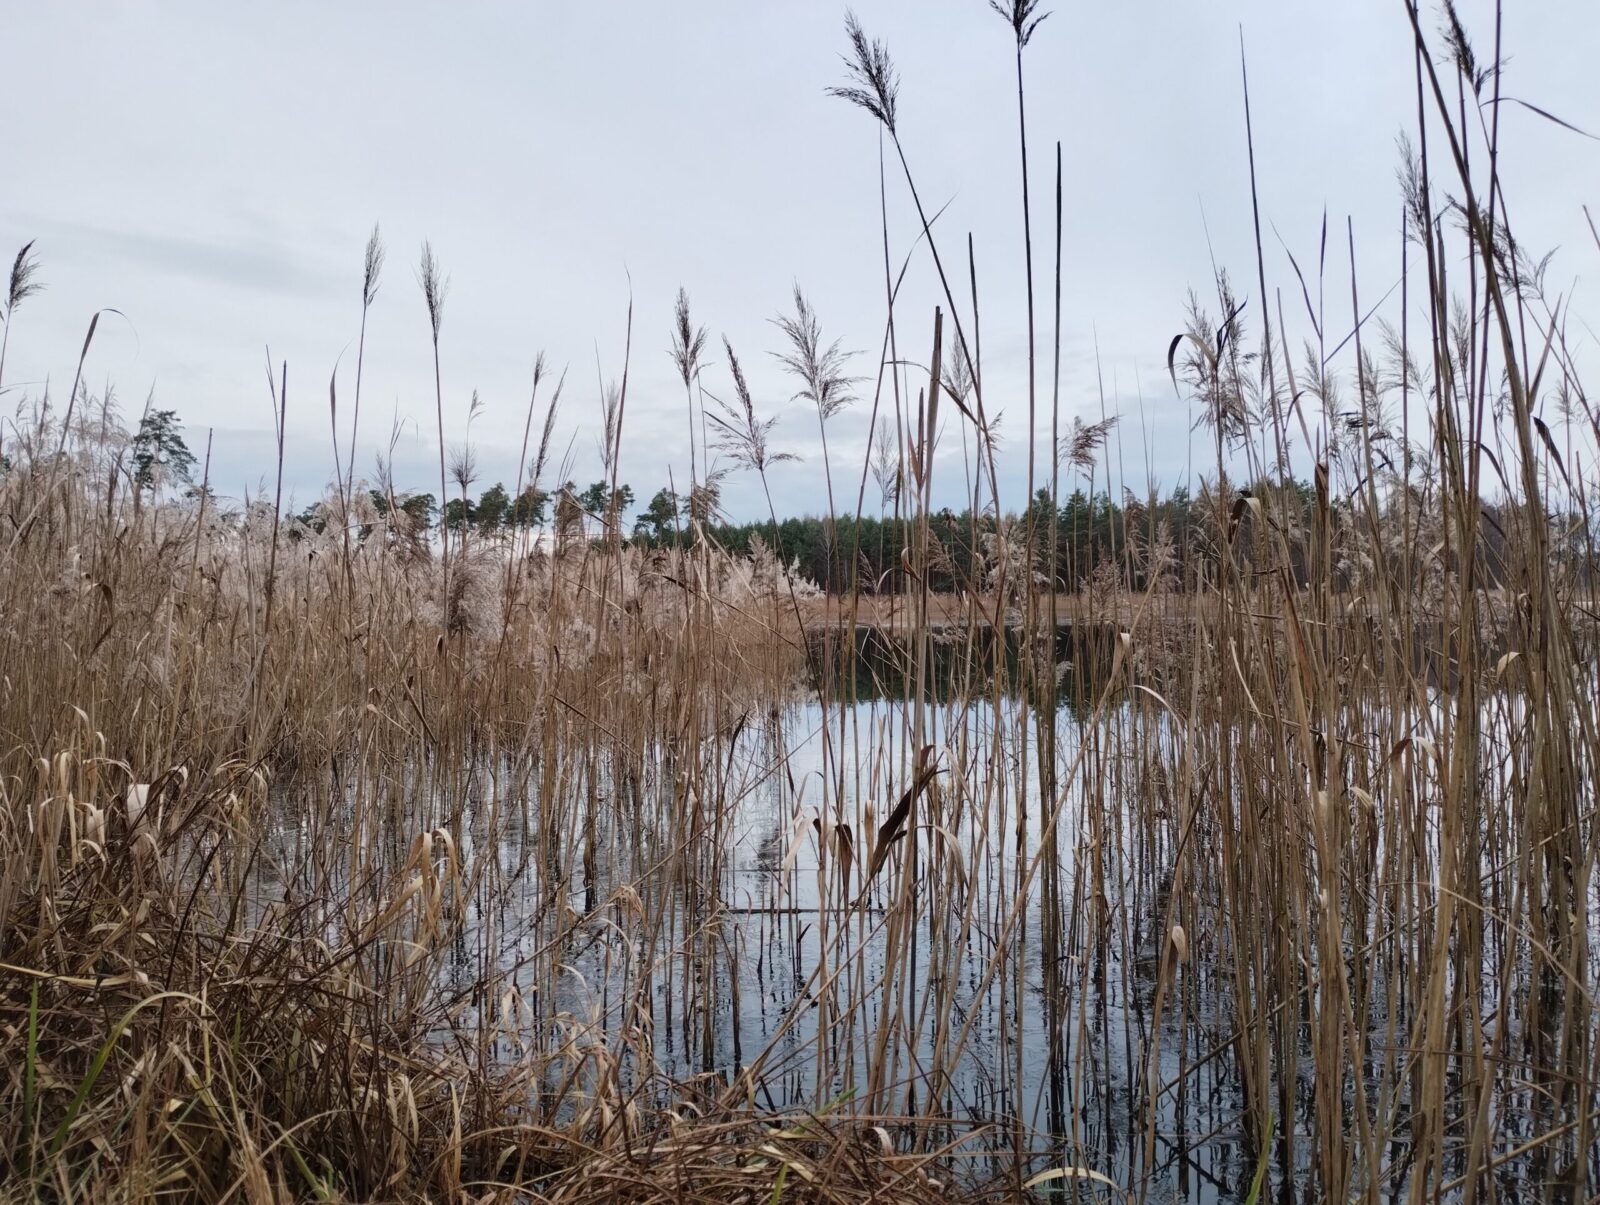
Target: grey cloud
x=252, y=263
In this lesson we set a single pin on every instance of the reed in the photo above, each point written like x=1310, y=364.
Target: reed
x=360, y=860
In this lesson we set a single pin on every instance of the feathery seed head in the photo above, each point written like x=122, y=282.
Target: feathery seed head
x=740, y=434
x=871, y=81
x=824, y=382
x=22, y=284
x=373, y=267
x=434, y=286
x=1022, y=15
x=687, y=342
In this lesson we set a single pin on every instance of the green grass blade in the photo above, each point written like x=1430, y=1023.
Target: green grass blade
x=59, y=1138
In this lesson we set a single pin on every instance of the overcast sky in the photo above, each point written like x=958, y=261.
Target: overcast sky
x=212, y=171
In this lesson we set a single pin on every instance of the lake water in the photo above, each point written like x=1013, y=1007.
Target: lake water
x=715, y=917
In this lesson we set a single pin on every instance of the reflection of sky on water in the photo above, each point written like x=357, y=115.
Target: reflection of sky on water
x=1061, y=1054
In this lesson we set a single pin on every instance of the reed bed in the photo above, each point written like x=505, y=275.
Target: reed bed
x=368, y=862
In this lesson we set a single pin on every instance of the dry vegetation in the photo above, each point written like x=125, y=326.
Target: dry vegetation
x=345, y=865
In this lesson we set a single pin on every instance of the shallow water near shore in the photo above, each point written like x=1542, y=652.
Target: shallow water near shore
x=957, y=964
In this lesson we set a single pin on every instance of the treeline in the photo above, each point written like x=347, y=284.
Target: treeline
x=495, y=510
x=966, y=552
x=1172, y=542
